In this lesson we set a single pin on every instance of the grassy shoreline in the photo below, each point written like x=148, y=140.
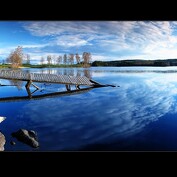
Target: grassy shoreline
x=44, y=66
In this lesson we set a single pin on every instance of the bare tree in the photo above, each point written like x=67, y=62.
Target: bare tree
x=59, y=59
x=49, y=59
x=86, y=59
x=16, y=57
x=42, y=60
x=77, y=58
x=65, y=59
x=71, y=59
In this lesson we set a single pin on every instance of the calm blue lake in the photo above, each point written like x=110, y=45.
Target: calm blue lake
x=140, y=115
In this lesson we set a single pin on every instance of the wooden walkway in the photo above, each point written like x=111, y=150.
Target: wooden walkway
x=49, y=78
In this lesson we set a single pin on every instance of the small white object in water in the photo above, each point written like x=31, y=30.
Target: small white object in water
x=2, y=118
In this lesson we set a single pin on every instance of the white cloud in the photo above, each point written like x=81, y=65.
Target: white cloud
x=34, y=45
x=35, y=53
x=6, y=50
x=71, y=41
x=103, y=57
x=126, y=39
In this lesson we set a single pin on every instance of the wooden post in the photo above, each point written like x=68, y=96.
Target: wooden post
x=77, y=87
x=29, y=92
x=68, y=87
x=28, y=84
x=28, y=88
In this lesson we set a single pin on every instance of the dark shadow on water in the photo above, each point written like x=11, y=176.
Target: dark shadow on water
x=122, y=145
x=36, y=97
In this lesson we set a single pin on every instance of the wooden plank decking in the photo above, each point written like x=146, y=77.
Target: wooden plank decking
x=50, y=78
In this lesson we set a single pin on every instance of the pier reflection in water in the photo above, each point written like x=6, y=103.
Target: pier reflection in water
x=67, y=71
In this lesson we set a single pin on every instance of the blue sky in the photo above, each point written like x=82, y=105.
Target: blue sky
x=106, y=40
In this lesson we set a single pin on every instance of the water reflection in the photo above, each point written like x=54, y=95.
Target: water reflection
x=137, y=69
x=76, y=72
x=65, y=71
x=87, y=73
x=44, y=95
x=17, y=83
x=14, y=82
x=102, y=115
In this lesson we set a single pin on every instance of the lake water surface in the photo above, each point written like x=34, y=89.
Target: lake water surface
x=139, y=115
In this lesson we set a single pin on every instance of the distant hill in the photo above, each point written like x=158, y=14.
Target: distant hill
x=137, y=62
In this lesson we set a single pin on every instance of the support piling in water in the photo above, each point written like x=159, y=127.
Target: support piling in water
x=28, y=84
x=68, y=87
x=77, y=87
x=28, y=88
x=35, y=86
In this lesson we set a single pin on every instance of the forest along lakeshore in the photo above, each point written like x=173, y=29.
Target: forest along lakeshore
x=106, y=118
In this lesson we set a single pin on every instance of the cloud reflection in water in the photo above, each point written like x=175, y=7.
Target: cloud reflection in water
x=102, y=115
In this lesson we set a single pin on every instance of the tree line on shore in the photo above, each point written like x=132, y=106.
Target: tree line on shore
x=17, y=58
x=158, y=62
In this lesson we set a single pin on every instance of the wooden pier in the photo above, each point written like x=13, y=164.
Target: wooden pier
x=49, y=78
x=67, y=80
